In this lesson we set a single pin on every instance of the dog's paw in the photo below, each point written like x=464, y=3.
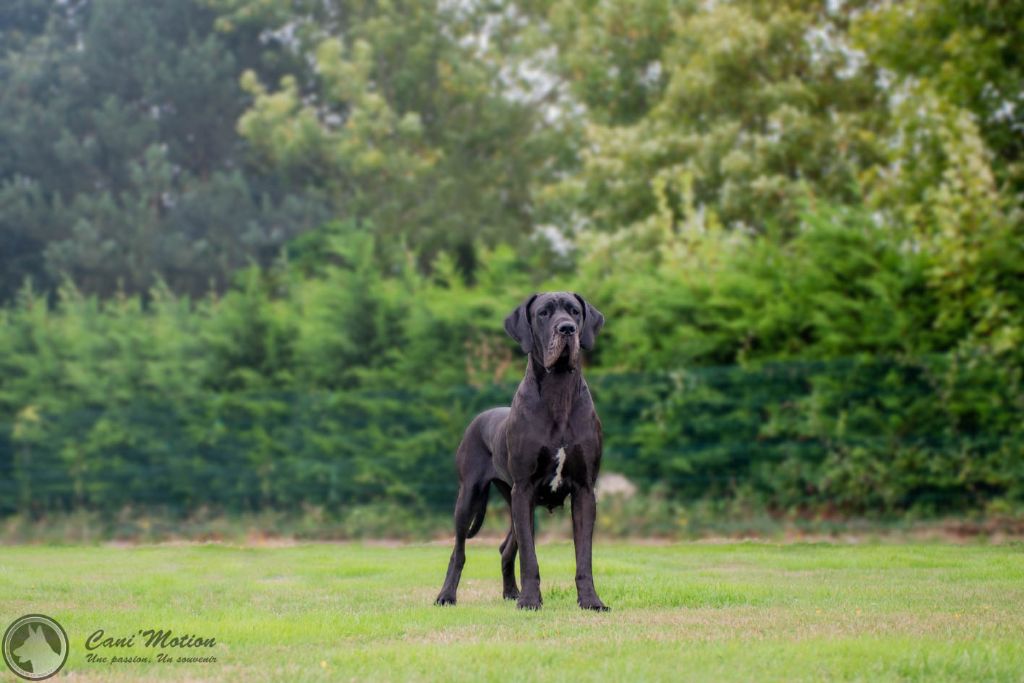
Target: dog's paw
x=529, y=602
x=594, y=604
x=510, y=594
x=443, y=600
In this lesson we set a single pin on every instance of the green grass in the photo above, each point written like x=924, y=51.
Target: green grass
x=746, y=611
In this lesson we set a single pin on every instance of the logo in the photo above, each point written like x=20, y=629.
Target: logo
x=35, y=647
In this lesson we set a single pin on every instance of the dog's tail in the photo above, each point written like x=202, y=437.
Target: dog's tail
x=479, y=511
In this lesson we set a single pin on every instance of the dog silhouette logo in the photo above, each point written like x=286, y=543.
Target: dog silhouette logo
x=35, y=647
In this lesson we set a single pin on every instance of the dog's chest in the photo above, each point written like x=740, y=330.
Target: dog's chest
x=557, y=470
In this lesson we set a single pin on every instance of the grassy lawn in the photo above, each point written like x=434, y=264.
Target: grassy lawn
x=744, y=612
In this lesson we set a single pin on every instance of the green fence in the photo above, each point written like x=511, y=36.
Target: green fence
x=855, y=436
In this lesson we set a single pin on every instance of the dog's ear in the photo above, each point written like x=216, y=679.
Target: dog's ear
x=517, y=324
x=593, y=321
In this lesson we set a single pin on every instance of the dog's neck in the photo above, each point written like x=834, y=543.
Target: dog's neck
x=557, y=389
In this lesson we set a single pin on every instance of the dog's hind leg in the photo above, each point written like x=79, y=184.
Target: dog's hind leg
x=476, y=472
x=510, y=591
x=467, y=505
x=509, y=547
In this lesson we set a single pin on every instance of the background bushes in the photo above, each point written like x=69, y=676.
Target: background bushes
x=255, y=254
x=349, y=387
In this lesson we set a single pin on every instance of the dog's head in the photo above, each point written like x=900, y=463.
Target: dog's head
x=553, y=326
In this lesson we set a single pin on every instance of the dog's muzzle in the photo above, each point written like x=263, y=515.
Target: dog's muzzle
x=563, y=345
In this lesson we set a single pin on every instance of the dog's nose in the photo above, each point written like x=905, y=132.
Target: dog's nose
x=567, y=329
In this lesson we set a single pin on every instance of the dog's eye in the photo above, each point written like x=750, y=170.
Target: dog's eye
x=543, y=313
x=573, y=311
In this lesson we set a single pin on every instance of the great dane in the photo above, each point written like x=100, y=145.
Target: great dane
x=545, y=447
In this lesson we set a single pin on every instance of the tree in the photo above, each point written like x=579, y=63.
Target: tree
x=762, y=106
x=967, y=52
x=119, y=159
x=403, y=122
x=952, y=171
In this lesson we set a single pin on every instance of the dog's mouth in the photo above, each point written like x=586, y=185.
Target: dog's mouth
x=562, y=352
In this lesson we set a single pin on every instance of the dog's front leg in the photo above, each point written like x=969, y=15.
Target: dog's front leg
x=584, y=513
x=522, y=521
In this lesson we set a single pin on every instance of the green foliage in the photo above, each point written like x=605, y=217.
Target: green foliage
x=802, y=221
x=119, y=160
x=402, y=124
x=875, y=421
x=966, y=50
x=806, y=376
x=759, y=106
x=284, y=392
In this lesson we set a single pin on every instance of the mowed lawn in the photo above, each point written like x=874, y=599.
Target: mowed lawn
x=691, y=611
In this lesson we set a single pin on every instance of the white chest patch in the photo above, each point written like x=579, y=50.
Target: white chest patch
x=560, y=459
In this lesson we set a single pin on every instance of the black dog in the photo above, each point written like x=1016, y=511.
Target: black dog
x=543, y=448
